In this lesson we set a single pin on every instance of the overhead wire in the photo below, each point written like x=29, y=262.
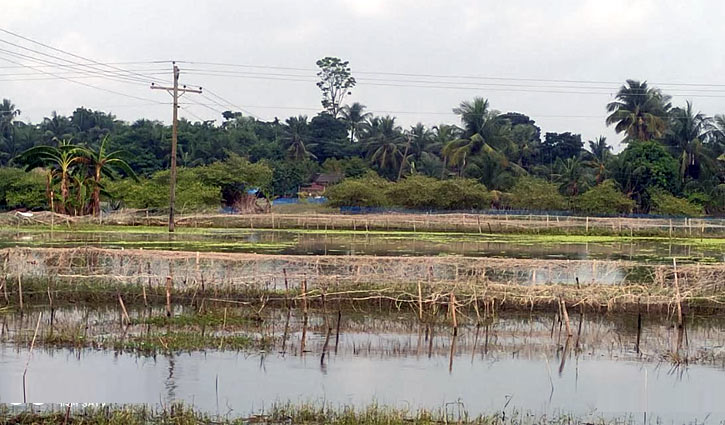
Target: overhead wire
x=75, y=55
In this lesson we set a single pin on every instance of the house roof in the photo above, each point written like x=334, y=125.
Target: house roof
x=328, y=178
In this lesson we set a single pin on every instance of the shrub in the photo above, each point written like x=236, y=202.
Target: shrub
x=462, y=194
x=530, y=193
x=415, y=192
x=19, y=188
x=605, y=198
x=191, y=194
x=667, y=204
x=368, y=191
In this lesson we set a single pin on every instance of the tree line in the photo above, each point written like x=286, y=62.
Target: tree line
x=673, y=160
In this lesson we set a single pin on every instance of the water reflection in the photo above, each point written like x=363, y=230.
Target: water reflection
x=609, y=364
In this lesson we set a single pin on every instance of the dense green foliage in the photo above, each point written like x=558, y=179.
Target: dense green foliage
x=667, y=204
x=672, y=149
x=605, y=198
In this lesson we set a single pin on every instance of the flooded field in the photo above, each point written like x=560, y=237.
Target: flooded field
x=291, y=242
x=511, y=362
x=233, y=322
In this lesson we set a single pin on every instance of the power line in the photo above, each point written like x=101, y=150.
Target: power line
x=452, y=76
x=87, y=73
x=82, y=83
x=231, y=104
x=69, y=53
x=93, y=69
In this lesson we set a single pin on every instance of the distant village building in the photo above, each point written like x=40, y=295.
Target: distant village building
x=319, y=183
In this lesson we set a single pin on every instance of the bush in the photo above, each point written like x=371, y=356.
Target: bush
x=191, y=194
x=530, y=193
x=605, y=198
x=667, y=204
x=368, y=191
x=415, y=192
x=462, y=194
x=21, y=189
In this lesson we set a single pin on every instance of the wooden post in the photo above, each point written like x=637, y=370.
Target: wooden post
x=20, y=291
x=168, y=296
x=566, y=317
x=452, y=307
x=304, y=294
x=420, y=301
x=678, y=299
x=123, y=309
x=587, y=230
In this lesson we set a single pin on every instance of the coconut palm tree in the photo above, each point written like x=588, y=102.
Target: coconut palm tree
x=484, y=134
x=57, y=127
x=599, y=154
x=686, y=138
x=571, y=175
x=102, y=163
x=383, y=143
x=354, y=117
x=60, y=161
x=8, y=112
x=295, y=131
x=640, y=111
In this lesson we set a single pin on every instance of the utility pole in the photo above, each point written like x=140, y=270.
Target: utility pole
x=176, y=93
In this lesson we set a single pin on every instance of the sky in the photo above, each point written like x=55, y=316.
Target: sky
x=409, y=56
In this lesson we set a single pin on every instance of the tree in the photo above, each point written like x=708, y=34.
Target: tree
x=484, y=134
x=561, y=146
x=8, y=112
x=645, y=165
x=640, y=111
x=60, y=160
x=605, y=198
x=685, y=137
x=383, y=142
x=100, y=163
x=295, y=131
x=571, y=175
x=335, y=83
x=599, y=154
x=354, y=117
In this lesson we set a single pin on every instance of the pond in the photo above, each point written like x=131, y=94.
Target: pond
x=522, y=362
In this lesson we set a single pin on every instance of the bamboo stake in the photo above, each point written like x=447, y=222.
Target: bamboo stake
x=168, y=296
x=678, y=298
x=30, y=354
x=452, y=306
x=20, y=291
x=304, y=294
x=123, y=309
x=566, y=317
x=420, y=301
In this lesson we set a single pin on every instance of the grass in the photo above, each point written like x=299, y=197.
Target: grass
x=147, y=344
x=180, y=414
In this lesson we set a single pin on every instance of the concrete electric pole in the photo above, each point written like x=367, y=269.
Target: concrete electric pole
x=176, y=93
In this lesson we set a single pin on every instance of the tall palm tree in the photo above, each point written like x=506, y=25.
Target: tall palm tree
x=354, y=117
x=442, y=135
x=57, y=127
x=639, y=111
x=685, y=139
x=383, y=143
x=102, y=163
x=571, y=175
x=599, y=154
x=8, y=112
x=484, y=134
x=60, y=160
x=295, y=130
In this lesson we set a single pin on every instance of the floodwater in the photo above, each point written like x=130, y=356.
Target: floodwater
x=381, y=244
x=522, y=362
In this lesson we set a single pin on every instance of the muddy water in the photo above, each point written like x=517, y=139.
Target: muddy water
x=393, y=244
x=516, y=362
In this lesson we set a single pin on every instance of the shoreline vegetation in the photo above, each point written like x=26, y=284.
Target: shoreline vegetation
x=426, y=284
x=302, y=413
x=471, y=223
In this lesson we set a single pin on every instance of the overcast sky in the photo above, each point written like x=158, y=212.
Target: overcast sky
x=583, y=40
